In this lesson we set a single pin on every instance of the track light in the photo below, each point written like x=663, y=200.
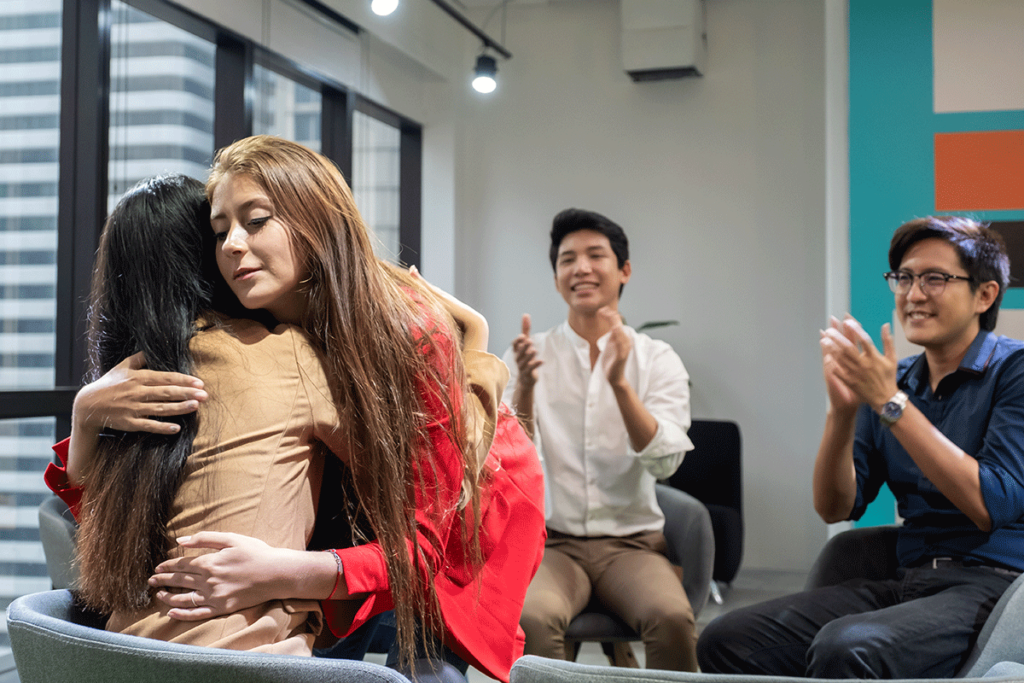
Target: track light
x=383, y=7
x=484, y=73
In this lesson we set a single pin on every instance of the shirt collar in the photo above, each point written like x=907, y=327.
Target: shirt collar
x=975, y=361
x=579, y=342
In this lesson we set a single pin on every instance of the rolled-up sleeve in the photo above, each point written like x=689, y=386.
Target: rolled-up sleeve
x=1001, y=458
x=666, y=396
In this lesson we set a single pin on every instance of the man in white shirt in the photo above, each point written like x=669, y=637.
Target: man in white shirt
x=608, y=409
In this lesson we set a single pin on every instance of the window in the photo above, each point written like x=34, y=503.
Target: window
x=286, y=108
x=161, y=100
x=376, y=181
x=29, y=150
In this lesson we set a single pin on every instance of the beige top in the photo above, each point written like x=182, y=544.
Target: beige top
x=255, y=469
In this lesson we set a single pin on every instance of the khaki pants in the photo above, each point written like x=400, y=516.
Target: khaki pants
x=630, y=576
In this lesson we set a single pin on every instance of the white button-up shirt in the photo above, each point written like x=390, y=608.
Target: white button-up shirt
x=595, y=483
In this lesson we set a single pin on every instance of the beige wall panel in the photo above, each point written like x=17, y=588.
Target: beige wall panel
x=978, y=55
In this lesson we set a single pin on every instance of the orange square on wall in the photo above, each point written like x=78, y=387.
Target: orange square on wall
x=979, y=171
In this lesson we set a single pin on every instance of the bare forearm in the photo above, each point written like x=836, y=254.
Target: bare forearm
x=641, y=426
x=309, y=575
x=522, y=402
x=946, y=465
x=81, y=448
x=835, y=478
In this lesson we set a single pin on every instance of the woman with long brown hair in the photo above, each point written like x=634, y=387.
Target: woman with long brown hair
x=446, y=540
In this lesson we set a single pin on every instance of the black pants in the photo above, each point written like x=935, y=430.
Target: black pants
x=919, y=625
x=432, y=664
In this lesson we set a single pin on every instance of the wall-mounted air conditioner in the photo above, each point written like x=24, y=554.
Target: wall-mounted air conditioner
x=663, y=39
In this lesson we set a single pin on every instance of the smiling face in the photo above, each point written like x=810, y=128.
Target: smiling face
x=587, y=273
x=949, y=320
x=254, y=250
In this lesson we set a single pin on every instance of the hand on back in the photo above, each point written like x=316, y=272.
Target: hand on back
x=131, y=398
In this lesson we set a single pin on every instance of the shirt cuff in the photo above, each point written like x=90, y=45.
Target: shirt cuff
x=56, y=478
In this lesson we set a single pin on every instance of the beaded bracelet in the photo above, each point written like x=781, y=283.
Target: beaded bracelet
x=337, y=579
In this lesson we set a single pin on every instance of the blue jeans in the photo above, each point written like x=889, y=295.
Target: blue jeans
x=439, y=665
x=920, y=625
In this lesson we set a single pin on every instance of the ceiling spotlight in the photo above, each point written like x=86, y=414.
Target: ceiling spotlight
x=383, y=7
x=484, y=73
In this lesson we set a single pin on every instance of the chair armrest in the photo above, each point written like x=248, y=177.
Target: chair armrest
x=1000, y=637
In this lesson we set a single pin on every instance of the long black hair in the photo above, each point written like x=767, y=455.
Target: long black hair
x=154, y=276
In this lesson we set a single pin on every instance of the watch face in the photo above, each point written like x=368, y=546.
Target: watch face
x=891, y=411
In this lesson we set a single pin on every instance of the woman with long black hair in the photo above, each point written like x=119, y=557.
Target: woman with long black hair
x=265, y=424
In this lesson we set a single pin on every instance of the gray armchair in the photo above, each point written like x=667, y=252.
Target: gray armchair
x=531, y=669
x=54, y=642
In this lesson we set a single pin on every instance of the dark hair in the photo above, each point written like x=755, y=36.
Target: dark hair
x=150, y=283
x=981, y=250
x=574, y=220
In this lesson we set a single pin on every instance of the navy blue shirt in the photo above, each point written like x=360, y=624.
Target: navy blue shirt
x=980, y=408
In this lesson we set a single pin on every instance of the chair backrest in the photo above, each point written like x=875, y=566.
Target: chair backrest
x=57, y=530
x=712, y=472
x=690, y=540
x=50, y=645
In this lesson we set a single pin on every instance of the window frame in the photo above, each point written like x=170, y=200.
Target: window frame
x=84, y=150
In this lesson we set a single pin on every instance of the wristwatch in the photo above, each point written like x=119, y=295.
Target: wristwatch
x=893, y=409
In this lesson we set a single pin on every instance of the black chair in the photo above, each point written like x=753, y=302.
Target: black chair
x=712, y=473
x=691, y=546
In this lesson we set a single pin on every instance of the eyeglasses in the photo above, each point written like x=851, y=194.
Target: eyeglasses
x=932, y=282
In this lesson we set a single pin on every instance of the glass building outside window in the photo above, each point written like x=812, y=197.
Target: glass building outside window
x=30, y=64
x=161, y=100
x=376, y=180
x=286, y=108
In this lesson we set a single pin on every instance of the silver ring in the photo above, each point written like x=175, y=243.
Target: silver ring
x=193, y=596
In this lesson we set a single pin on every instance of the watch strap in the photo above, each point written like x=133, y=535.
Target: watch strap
x=893, y=408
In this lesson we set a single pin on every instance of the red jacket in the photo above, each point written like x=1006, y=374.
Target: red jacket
x=480, y=606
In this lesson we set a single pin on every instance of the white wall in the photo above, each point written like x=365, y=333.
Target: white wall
x=719, y=182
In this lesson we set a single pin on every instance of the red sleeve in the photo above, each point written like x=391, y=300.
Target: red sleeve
x=440, y=464
x=56, y=478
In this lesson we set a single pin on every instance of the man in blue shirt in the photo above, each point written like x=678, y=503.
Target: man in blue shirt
x=945, y=431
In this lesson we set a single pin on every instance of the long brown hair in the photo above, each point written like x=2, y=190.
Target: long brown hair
x=391, y=357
